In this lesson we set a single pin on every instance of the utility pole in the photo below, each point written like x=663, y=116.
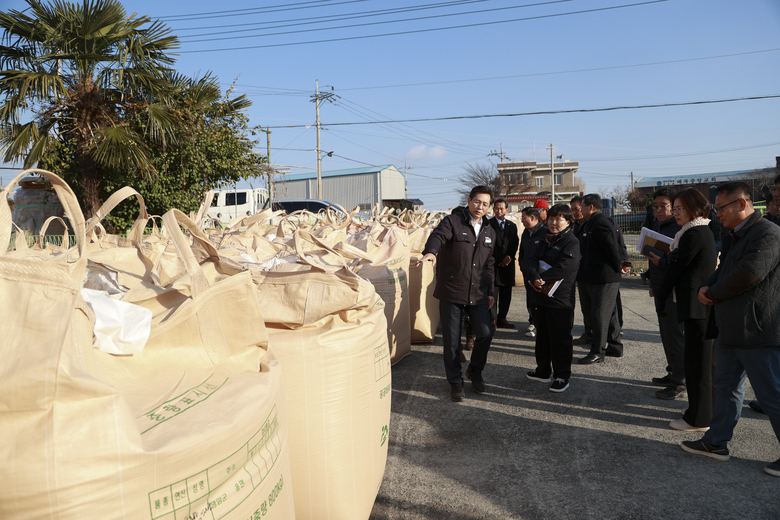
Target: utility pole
x=318, y=99
x=552, y=176
x=270, y=179
x=406, y=183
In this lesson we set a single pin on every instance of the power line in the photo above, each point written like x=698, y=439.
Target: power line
x=417, y=31
x=547, y=112
x=258, y=10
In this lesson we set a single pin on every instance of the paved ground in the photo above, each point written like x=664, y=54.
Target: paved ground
x=602, y=449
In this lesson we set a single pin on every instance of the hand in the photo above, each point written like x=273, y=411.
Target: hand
x=625, y=269
x=506, y=261
x=538, y=284
x=653, y=257
x=703, y=296
x=429, y=257
x=491, y=301
x=652, y=294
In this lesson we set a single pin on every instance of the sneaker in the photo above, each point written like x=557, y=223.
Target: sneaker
x=663, y=381
x=559, y=385
x=530, y=331
x=456, y=392
x=531, y=328
x=706, y=449
x=683, y=426
x=534, y=376
x=670, y=393
x=773, y=469
x=476, y=379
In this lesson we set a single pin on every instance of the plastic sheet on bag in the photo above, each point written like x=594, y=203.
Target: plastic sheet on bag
x=120, y=327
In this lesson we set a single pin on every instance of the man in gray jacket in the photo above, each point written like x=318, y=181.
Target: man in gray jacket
x=745, y=292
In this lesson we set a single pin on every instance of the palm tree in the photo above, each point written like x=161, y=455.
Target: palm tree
x=81, y=73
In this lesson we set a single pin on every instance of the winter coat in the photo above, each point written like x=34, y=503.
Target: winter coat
x=746, y=286
x=563, y=257
x=507, y=243
x=687, y=268
x=464, y=261
x=531, y=245
x=602, y=260
x=656, y=272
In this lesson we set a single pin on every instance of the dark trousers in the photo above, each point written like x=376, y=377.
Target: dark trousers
x=530, y=303
x=699, y=373
x=585, y=308
x=503, y=300
x=673, y=341
x=553, y=341
x=451, y=319
x=601, y=298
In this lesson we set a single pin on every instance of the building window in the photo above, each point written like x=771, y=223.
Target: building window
x=540, y=182
x=558, y=179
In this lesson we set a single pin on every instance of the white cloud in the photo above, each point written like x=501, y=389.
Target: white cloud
x=424, y=153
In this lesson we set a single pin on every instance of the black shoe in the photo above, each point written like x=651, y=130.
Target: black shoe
x=670, y=393
x=663, y=381
x=613, y=353
x=756, y=406
x=559, y=385
x=591, y=359
x=476, y=379
x=706, y=449
x=583, y=340
x=503, y=324
x=456, y=392
x=535, y=376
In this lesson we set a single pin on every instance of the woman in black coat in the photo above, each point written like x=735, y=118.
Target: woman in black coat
x=559, y=260
x=691, y=260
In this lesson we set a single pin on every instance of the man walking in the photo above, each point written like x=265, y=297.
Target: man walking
x=599, y=278
x=672, y=337
x=745, y=292
x=531, y=244
x=461, y=248
x=504, y=253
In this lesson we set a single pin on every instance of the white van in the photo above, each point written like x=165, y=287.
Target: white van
x=228, y=205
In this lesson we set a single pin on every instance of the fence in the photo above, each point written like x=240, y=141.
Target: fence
x=48, y=239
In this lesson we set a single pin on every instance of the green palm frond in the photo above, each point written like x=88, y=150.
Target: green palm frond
x=122, y=148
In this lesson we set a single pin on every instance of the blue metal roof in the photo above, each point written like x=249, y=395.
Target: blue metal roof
x=340, y=173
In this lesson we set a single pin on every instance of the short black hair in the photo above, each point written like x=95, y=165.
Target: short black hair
x=669, y=193
x=593, y=199
x=480, y=189
x=457, y=209
x=532, y=212
x=498, y=200
x=777, y=179
x=561, y=210
x=576, y=199
x=735, y=188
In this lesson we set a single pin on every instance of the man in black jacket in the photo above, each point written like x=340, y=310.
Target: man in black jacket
x=504, y=253
x=745, y=293
x=599, y=278
x=672, y=337
x=461, y=248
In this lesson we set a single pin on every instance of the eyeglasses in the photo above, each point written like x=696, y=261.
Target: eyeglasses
x=677, y=211
x=660, y=207
x=719, y=209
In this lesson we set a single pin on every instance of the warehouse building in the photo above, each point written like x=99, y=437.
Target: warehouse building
x=362, y=187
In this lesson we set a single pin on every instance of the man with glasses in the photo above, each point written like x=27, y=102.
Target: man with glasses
x=672, y=337
x=745, y=293
x=461, y=248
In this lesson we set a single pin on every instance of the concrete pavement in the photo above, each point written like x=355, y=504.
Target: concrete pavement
x=601, y=449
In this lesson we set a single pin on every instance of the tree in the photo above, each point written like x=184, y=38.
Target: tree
x=630, y=198
x=487, y=175
x=82, y=74
x=580, y=183
x=214, y=149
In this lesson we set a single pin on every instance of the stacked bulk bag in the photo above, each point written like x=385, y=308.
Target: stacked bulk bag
x=193, y=426
x=328, y=328
x=423, y=307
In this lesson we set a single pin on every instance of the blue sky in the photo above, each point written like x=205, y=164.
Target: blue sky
x=554, y=56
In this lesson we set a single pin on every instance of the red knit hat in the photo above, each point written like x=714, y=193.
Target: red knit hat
x=541, y=204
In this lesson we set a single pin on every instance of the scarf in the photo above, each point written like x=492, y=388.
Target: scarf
x=552, y=238
x=698, y=221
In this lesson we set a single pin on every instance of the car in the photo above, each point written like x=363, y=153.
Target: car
x=312, y=205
